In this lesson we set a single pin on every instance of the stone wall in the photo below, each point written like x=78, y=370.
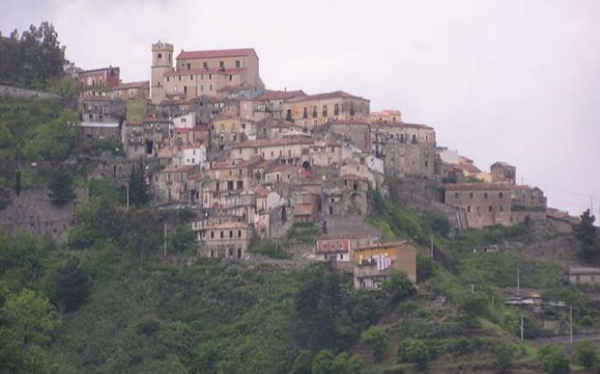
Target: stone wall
x=33, y=212
x=9, y=92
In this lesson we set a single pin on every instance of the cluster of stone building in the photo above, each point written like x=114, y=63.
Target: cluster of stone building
x=255, y=161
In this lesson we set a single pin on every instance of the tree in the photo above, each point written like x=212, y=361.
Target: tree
x=182, y=238
x=138, y=190
x=323, y=363
x=71, y=286
x=61, y=187
x=472, y=305
x=375, y=338
x=587, y=354
x=554, y=359
x=505, y=353
x=33, y=58
x=28, y=322
x=302, y=363
x=587, y=234
x=418, y=353
x=397, y=285
x=66, y=88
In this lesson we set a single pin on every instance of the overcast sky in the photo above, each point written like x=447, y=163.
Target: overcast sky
x=510, y=80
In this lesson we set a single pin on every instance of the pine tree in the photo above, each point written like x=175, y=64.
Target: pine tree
x=61, y=187
x=587, y=234
x=138, y=191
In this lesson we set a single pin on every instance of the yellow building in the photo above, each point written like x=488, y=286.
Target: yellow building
x=200, y=73
x=313, y=110
x=386, y=116
x=373, y=263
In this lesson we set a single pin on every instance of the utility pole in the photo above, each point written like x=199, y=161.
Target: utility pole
x=165, y=238
x=518, y=282
x=522, y=335
x=431, y=241
x=571, y=325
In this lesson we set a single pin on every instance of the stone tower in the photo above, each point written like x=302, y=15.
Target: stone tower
x=162, y=62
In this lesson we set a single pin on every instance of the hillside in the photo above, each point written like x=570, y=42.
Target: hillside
x=114, y=304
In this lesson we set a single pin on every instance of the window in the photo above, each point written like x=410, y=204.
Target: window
x=179, y=78
x=402, y=138
x=160, y=55
x=189, y=66
x=501, y=195
x=288, y=116
x=185, y=90
x=230, y=252
x=205, y=65
x=239, y=233
x=470, y=195
x=237, y=63
x=167, y=79
x=485, y=196
x=456, y=195
x=324, y=110
x=336, y=109
x=305, y=112
x=491, y=208
x=222, y=234
x=315, y=111
x=414, y=139
x=212, y=234
x=469, y=209
x=191, y=77
x=230, y=234
x=221, y=64
x=209, y=76
x=351, y=109
x=230, y=78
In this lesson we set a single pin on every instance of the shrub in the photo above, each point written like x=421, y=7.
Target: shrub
x=554, y=359
x=505, y=353
x=587, y=354
x=418, y=353
x=472, y=305
x=375, y=338
x=397, y=285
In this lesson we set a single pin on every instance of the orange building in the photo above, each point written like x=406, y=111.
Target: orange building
x=373, y=263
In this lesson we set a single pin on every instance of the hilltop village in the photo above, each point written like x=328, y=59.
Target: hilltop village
x=205, y=222
x=254, y=161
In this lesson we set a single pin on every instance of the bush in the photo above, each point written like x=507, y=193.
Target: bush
x=587, y=354
x=61, y=187
x=418, y=353
x=376, y=338
x=554, y=359
x=397, y=285
x=71, y=286
x=505, y=353
x=270, y=249
x=472, y=305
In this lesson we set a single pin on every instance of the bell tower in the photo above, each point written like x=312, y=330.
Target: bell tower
x=162, y=62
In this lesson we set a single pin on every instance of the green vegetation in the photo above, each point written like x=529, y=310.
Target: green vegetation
x=418, y=353
x=588, y=235
x=587, y=355
x=61, y=187
x=376, y=339
x=554, y=359
x=32, y=59
x=271, y=249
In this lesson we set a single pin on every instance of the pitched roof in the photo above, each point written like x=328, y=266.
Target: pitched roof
x=129, y=85
x=349, y=235
x=273, y=142
x=328, y=95
x=401, y=125
x=184, y=55
x=204, y=71
x=279, y=95
x=478, y=186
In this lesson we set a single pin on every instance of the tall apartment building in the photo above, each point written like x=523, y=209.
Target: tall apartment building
x=200, y=73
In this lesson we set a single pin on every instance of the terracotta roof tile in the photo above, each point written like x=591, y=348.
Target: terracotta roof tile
x=185, y=55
